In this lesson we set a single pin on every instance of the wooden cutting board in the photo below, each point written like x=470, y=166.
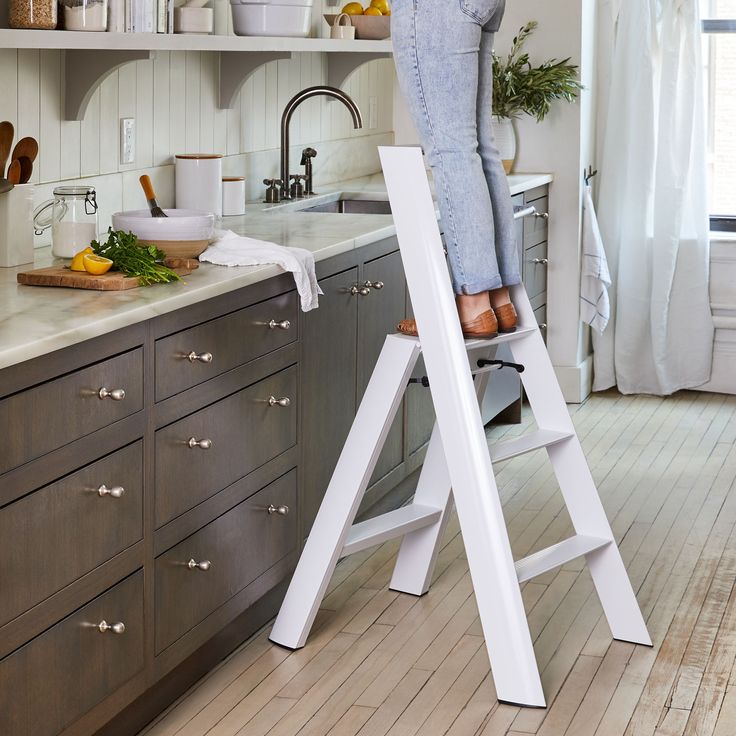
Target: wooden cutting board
x=110, y=281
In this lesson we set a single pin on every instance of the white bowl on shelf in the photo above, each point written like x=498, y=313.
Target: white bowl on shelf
x=192, y=19
x=272, y=17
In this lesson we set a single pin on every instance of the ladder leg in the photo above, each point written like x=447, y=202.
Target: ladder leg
x=576, y=483
x=350, y=478
x=419, y=549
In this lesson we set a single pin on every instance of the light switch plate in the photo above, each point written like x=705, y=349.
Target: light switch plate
x=127, y=140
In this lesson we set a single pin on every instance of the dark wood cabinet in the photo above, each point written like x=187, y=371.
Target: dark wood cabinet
x=329, y=370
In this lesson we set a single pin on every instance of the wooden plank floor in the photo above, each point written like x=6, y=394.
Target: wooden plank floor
x=385, y=664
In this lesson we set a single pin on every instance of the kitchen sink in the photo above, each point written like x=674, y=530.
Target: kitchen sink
x=348, y=206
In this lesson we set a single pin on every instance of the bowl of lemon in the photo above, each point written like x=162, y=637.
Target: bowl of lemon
x=372, y=22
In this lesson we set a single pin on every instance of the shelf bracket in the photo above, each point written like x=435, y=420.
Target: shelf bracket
x=237, y=66
x=86, y=69
x=341, y=64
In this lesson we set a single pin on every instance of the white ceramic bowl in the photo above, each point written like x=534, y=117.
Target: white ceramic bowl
x=183, y=234
x=285, y=18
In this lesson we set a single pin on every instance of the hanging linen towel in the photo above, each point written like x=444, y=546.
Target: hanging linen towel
x=231, y=249
x=595, y=308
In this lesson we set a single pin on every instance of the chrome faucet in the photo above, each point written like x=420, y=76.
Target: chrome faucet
x=291, y=105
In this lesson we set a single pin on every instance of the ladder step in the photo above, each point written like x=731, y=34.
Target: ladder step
x=527, y=443
x=556, y=555
x=478, y=344
x=387, y=526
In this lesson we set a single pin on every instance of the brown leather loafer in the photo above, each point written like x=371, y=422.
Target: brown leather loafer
x=482, y=327
x=507, y=318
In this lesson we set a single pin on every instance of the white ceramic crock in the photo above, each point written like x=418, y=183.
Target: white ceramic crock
x=199, y=182
x=16, y=226
x=233, y=196
x=272, y=17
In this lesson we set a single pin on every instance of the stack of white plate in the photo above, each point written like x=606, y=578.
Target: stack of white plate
x=183, y=234
x=272, y=17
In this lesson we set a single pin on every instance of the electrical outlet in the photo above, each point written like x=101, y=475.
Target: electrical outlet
x=373, y=112
x=127, y=140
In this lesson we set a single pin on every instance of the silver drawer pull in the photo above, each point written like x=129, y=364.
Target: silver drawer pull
x=117, y=394
x=361, y=290
x=540, y=261
x=203, y=566
x=280, y=510
x=543, y=215
x=104, y=627
x=543, y=326
x=199, y=357
x=114, y=492
x=374, y=285
x=284, y=324
x=202, y=444
x=283, y=401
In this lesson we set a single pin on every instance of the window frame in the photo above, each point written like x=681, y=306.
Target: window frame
x=711, y=26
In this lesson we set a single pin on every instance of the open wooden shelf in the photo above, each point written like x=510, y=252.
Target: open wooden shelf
x=90, y=57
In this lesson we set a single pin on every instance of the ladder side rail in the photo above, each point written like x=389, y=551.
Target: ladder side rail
x=576, y=482
x=351, y=476
x=491, y=563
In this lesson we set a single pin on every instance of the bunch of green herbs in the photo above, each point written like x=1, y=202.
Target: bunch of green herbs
x=134, y=258
x=520, y=88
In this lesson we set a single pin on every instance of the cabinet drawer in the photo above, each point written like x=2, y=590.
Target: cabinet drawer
x=224, y=343
x=535, y=228
x=239, y=546
x=57, y=534
x=535, y=270
x=61, y=674
x=45, y=417
x=236, y=435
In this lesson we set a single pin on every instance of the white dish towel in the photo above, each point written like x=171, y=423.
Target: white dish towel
x=595, y=307
x=231, y=249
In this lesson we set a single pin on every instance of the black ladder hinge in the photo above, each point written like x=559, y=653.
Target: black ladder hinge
x=483, y=362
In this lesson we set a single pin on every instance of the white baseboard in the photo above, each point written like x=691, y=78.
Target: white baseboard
x=576, y=381
x=723, y=375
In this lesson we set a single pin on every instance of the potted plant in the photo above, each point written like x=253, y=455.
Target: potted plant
x=522, y=89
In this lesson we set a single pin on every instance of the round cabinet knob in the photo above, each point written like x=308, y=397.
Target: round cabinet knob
x=540, y=261
x=116, y=394
x=360, y=290
x=117, y=628
x=199, y=357
x=542, y=215
x=284, y=324
x=203, y=566
x=378, y=285
x=202, y=444
x=114, y=492
x=280, y=510
x=283, y=401
x=543, y=326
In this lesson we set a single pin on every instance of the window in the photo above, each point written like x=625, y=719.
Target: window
x=719, y=56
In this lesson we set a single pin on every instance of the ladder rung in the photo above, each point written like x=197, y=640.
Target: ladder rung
x=527, y=443
x=556, y=555
x=387, y=526
x=478, y=344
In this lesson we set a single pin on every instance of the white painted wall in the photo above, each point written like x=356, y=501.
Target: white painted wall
x=174, y=101
x=563, y=144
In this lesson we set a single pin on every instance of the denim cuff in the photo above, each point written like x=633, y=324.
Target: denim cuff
x=478, y=287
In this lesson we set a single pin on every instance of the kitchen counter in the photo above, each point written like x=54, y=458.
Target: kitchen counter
x=35, y=321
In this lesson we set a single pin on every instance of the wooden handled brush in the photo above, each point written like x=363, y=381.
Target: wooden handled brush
x=156, y=211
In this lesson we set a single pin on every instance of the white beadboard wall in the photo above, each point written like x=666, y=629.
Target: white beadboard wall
x=174, y=101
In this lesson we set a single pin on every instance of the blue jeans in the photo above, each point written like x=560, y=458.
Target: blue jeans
x=442, y=51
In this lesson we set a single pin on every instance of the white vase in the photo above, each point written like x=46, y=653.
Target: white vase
x=505, y=136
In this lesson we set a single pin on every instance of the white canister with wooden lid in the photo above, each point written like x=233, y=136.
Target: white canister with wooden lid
x=199, y=182
x=233, y=195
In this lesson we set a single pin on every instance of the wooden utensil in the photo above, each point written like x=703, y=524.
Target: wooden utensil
x=7, y=131
x=14, y=172
x=27, y=147
x=5, y=185
x=156, y=211
x=26, y=169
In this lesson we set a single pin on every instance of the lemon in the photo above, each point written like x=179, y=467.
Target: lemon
x=372, y=11
x=77, y=263
x=353, y=9
x=382, y=5
x=96, y=265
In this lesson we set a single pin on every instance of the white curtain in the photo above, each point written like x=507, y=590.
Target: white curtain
x=652, y=199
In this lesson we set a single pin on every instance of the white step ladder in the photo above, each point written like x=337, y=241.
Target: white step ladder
x=458, y=464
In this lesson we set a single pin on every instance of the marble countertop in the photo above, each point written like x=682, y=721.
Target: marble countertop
x=35, y=321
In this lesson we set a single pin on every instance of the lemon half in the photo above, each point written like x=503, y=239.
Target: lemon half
x=96, y=265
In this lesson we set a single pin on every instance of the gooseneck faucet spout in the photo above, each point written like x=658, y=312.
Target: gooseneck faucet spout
x=293, y=103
